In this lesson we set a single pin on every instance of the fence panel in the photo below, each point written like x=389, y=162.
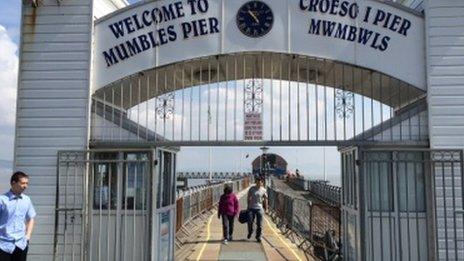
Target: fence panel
x=280, y=205
x=272, y=198
x=301, y=216
x=179, y=214
x=203, y=196
x=186, y=208
x=288, y=206
x=216, y=194
x=324, y=218
x=195, y=201
x=325, y=192
x=209, y=198
x=309, y=221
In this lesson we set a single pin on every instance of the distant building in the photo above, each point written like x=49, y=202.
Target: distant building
x=272, y=163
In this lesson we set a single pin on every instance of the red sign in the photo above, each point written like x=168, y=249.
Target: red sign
x=253, y=127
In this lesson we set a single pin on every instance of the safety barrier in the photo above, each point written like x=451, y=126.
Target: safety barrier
x=309, y=221
x=325, y=192
x=193, y=201
x=320, y=189
x=213, y=175
x=300, y=182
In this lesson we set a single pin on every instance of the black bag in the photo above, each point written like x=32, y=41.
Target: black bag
x=243, y=216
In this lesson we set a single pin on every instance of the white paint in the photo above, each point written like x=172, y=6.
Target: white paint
x=105, y=128
x=413, y=128
x=414, y=4
x=445, y=67
x=104, y=7
x=53, y=97
x=445, y=70
x=404, y=58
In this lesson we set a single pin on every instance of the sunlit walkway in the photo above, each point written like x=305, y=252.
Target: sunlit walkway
x=208, y=244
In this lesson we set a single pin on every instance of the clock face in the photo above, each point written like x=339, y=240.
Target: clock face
x=255, y=19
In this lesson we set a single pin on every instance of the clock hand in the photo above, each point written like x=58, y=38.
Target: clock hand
x=254, y=16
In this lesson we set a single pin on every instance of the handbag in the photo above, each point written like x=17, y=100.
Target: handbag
x=243, y=216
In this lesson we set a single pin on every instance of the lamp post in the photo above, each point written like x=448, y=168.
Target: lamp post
x=264, y=150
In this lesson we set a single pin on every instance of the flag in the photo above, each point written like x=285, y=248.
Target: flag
x=209, y=115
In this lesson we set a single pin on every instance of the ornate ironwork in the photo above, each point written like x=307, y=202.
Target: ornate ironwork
x=165, y=106
x=254, y=96
x=446, y=156
x=344, y=103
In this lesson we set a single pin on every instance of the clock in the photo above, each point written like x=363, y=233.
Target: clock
x=255, y=19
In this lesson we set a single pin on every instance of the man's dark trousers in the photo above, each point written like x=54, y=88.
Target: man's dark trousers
x=17, y=255
x=258, y=213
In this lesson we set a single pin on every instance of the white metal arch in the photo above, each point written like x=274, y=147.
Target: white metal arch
x=304, y=101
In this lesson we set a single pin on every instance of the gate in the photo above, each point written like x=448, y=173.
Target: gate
x=410, y=204
x=70, y=223
x=350, y=208
x=397, y=219
x=103, y=209
x=447, y=167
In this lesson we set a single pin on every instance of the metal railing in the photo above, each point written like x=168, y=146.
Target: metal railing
x=300, y=182
x=213, y=95
x=309, y=221
x=320, y=189
x=196, y=200
x=214, y=175
x=325, y=192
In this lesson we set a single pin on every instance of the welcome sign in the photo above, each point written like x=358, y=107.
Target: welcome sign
x=155, y=18
x=367, y=33
x=359, y=32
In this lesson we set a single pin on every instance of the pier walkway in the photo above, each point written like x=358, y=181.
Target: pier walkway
x=208, y=245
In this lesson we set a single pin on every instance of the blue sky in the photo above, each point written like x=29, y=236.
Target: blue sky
x=10, y=13
x=9, y=38
x=309, y=161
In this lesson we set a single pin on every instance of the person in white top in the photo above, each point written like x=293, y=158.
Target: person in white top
x=257, y=203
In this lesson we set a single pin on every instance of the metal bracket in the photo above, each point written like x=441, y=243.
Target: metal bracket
x=33, y=3
x=36, y=3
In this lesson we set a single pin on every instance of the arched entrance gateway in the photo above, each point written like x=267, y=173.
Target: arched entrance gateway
x=351, y=74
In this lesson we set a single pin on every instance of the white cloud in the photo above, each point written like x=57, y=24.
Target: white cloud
x=8, y=78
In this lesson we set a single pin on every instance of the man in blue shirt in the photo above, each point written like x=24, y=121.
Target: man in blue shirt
x=16, y=219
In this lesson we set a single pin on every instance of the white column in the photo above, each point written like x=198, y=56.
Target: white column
x=445, y=76
x=52, y=103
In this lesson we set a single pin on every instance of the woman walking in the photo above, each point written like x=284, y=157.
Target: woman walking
x=228, y=209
